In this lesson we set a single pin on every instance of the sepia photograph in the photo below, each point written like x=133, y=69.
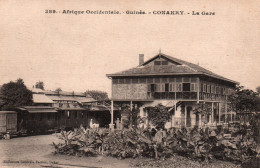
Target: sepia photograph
x=129, y=84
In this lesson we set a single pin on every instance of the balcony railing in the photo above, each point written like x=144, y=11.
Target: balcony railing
x=173, y=95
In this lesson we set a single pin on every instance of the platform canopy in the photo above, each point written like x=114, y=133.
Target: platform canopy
x=38, y=109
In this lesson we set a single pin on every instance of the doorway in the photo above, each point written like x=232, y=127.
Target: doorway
x=188, y=118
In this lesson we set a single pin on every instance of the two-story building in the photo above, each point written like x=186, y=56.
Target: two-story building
x=177, y=84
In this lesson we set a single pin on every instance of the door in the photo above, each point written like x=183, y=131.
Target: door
x=188, y=118
x=11, y=122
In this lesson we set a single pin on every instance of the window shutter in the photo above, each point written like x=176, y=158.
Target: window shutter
x=179, y=87
x=194, y=87
x=162, y=87
x=149, y=88
x=173, y=87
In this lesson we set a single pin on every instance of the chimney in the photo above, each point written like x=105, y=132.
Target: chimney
x=141, y=59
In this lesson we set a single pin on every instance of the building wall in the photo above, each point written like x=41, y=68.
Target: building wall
x=129, y=91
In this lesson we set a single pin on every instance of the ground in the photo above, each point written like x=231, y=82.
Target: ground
x=37, y=151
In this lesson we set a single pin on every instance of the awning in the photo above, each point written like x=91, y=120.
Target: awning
x=40, y=109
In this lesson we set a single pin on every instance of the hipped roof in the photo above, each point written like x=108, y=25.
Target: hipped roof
x=179, y=67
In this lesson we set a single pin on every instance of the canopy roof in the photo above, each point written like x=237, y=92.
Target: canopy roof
x=38, y=109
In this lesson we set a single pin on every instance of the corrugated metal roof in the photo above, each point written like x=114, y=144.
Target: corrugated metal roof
x=41, y=98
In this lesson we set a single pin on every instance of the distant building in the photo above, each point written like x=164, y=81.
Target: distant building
x=177, y=84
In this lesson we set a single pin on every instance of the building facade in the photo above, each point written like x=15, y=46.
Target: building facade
x=177, y=84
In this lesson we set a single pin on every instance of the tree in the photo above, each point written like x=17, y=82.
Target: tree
x=15, y=94
x=97, y=95
x=158, y=115
x=58, y=90
x=258, y=89
x=244, y=101
x=39, y=85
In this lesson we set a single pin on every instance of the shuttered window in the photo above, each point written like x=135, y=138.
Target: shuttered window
x=115, y=81
x=194, y=87
x=172, y=87
x=179, y=87
x=149, y=88
x=167, y=87
x=208, y=88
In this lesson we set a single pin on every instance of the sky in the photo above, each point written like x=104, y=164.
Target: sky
x=75, y=52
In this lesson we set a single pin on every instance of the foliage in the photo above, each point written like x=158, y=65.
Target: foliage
x=14, y=94
x=39, y=85
x=258, y=89
x=97, y=95
x=58, y=90
x=231, y=144
x=158, y=115
x=244, y=100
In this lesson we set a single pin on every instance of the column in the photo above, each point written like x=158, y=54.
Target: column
x=226, y=114
x=111, y=125
x=212, y=112
x=185, y=116
x=219, y=111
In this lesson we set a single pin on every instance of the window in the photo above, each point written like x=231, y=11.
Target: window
x=49, y=116
x=157, y=62
x=193, y=79
x=157, y=80
x=127, y=81
x=186, y=79
x=186, y=87
x=142, y=80
x=164, y=80
x=162, y=87
x=171, y=79
x=153, y=87
x=208, y=89
x=204, y=88
x=157, y=88
x=212, y=89
x=217, y=90
x=178, y=87
x=178, y=79
x=166, y=87
x=194, y=87
x=172, y=87
x=164, y=62
x=134, y=80
x=115, y=81
x=149, y=88
x=76, y=114
x=121, y=81
x=149, y=80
